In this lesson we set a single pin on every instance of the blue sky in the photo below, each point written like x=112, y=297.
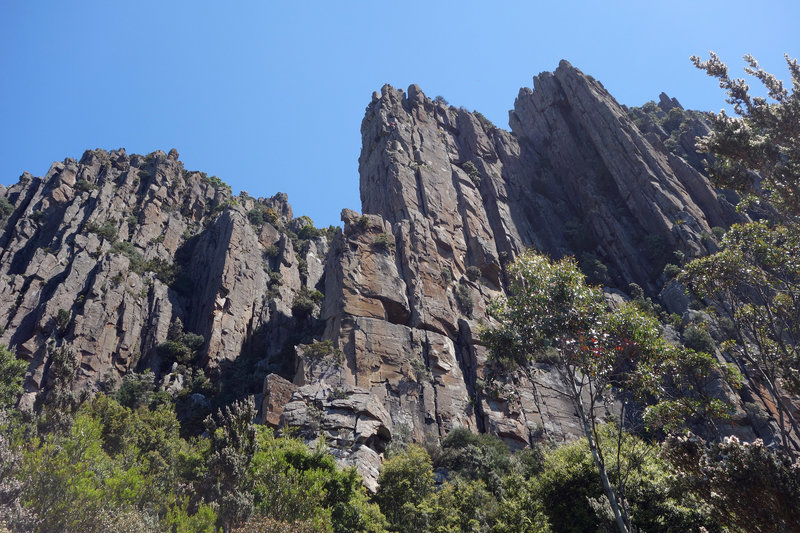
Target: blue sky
x=270, y=95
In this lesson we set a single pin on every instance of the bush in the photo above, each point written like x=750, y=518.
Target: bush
x=447, y=275
x=464, y=299
x=476, y=457
x=671, y=271
x=595, y=270
x=405, y=481
x=305, y=301
x=180, y=346
x=62, y=319
x=107, y=231
x=136, y=390
x=472, y=172
x=83, y=186
x=698, y=339
x=215, y=182
x=12, y=372
x=6, y=207
x=256, y=217
x=486, y=124
x=473, y=273
x=384, y=242
x=271, y=251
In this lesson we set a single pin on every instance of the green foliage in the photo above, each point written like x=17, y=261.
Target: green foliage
x=215, y=182
x=473, y=273
x=305, y=301
x=136, y=390
x=472, y=172
x=464, y=299
x=476, y=457
x=309, y=232
x=550, y=306
x=107, y=231
x=570, y=495
x=762, y=137
x=596, y=272
x=63, y=318
x=12, y=373
x=294, y=484
x=746, y=486
x=6, y=208
x=271, y=251
x=384, y=242
x=318, y=351
x=180, y=346
x=256, y=217
x=83, y=186
x=447, y=274
x=405, y=481
x=671, y=271
x=233, y=444
x=486, y=124
x=697, y=338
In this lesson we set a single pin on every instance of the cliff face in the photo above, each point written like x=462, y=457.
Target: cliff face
x=104, y=255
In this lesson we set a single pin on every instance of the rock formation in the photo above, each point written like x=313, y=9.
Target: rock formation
x=370, y=333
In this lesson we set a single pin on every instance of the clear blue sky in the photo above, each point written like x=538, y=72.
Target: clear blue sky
x=269, y=95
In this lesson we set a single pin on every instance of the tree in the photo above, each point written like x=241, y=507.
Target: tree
x=406, y=480
x=233, y=444
x=757, y=152
x=755, y=278
x=12, y=372
x=599, y=355
x=746, y=486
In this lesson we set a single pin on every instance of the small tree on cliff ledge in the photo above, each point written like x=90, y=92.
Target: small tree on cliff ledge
x=600, y=354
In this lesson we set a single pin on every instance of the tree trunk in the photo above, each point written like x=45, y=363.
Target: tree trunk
x=601, y=468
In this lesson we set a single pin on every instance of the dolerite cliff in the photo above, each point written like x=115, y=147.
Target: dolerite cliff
x=117, y=258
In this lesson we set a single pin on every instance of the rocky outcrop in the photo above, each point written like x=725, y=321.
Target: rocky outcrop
x=370, y=333
x=103, y=255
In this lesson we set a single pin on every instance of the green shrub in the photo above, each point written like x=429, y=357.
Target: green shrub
x=107, y=231
x=473, y=273
x=83, y=186
x=698, y=339
x=215, y=182
x=271, y=251
x=136, y=389
x=12, y=373
x=385, y=242
x=6, y=207
x=405, y=481
x=486, y=124
x=308, y=232
x=256, y=217
x=305, y=301
x=472, y=172
x=62, y=319
x=464, y=299
x=595, y=270
x=447, y=274
x=671, y=271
